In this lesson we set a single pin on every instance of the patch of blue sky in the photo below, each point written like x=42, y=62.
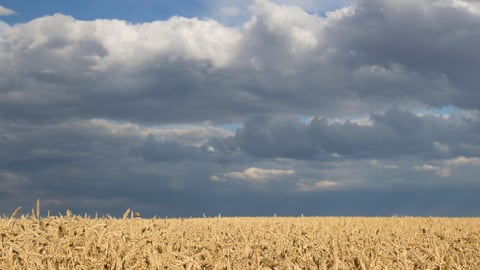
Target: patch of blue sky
x=363, y=120
x=231, y=127
x=305, y=119
x=441, y=111
x=321, y=8
x=228, y=12
x=446, y=110
x=128, y=10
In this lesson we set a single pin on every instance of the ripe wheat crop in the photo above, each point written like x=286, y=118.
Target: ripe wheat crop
x=76, y=242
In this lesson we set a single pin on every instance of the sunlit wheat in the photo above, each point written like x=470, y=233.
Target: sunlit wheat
x=75, y=242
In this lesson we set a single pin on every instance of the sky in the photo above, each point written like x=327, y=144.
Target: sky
x=241, y=108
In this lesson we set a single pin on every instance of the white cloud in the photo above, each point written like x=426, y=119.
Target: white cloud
x=188, y=134
x=235, y=11
x=175, y=39
x=129, y=45
x=443, y=172
x=301, y=28
x=254, y=174
x=468, y=5
x=341, y=13
x=320, y=185
x=361, y=121
x=6, y=11
x=462, y=161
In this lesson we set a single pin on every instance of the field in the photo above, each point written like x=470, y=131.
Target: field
x=76, y=242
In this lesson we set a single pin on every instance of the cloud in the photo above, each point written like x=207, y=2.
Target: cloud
x=379, y=164
x=320, y=185
x=470, y=6
x=443, y=148
x=283, y=60
x=392, y=133
x=224, y=9
x=443, y=172
x=446, y=167
x=462, y=161
x=187, y=134
x=265, y=137
x=254, y=174
x=6, y=11
x=80, y=153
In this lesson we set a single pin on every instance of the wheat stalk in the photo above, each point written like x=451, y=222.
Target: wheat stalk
x=38, y=209
x=14, y=214
x=125, y=215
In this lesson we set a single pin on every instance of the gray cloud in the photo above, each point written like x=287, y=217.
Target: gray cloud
x=103, y=115
x=390, y=134
x=438, y=45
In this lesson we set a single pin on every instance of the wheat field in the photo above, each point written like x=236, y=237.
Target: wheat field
x=81, y=242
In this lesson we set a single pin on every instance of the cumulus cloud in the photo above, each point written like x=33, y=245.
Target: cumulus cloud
x=6, y=11
x=283, y=60
x=146, y=67
x=254, y=174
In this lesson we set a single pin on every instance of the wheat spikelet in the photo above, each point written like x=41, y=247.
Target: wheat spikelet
x=14, y=214
x=127, y=212
x=38, y=209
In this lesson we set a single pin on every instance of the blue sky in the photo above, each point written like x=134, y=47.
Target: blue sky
x=142, y=11
x=132, y=11
x=366, y=107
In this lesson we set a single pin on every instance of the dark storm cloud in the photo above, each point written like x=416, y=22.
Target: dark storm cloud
x=101, y=161
x=393, y=133
x=151, y=150
x=276, y=138
x=90, y=111
x=432, y=41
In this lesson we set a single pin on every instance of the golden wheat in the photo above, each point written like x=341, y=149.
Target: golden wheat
x=75, y=242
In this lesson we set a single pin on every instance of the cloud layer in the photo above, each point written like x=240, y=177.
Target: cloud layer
x=102, y=115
